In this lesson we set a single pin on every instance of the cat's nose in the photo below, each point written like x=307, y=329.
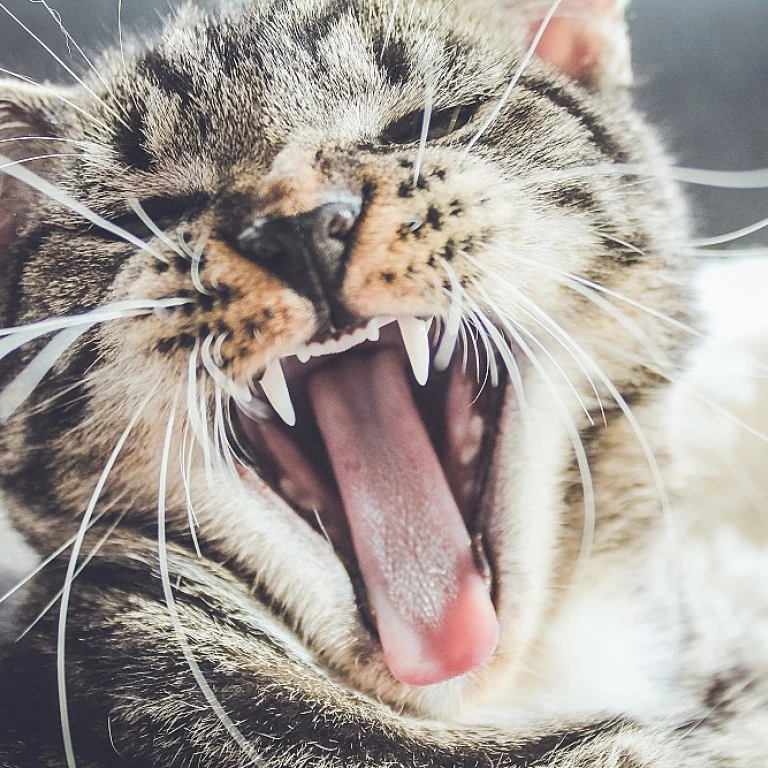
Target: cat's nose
x=308, y=252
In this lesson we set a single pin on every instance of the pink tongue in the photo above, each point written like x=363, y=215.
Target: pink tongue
x=433, y=612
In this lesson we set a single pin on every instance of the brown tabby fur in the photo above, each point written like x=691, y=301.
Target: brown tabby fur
x=265, y=111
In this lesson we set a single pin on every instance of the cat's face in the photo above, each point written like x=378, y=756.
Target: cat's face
x=322, y=246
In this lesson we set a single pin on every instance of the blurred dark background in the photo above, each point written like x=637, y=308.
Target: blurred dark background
x=702, y=73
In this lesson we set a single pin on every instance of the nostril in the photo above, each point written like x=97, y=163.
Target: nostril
x=341, y=224
x=308, y=252
x=251, y=237
x=335, y=221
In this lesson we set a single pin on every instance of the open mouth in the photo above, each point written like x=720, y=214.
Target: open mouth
x=389, y=459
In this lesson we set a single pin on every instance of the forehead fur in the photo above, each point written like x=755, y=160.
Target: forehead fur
x=233, y=87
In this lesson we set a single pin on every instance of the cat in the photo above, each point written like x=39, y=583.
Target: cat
x=336, y=374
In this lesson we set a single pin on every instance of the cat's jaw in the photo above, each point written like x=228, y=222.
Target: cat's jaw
x=545, y=614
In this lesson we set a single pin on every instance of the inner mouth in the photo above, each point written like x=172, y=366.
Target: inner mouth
x=389, y=459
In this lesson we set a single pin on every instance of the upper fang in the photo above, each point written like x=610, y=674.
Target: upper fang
x=276, y=390
x=416, y=341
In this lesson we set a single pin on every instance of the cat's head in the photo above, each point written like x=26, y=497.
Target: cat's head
x=383, y=225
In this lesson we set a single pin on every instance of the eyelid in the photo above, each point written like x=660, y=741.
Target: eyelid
x=443, y=122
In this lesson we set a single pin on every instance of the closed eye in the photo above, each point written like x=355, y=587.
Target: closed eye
x=442, y=123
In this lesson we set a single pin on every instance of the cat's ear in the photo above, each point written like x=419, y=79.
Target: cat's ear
x=27, y=135
x=587, y=39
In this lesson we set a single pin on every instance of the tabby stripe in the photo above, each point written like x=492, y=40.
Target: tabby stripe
x=560, y=97
x=316, y=30
x=394, y=60
x=130, y=139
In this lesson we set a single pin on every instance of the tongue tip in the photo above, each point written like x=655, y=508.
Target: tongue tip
x=432, y=670
x=463, y=641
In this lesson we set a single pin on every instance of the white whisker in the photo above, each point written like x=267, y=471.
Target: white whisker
x=120, y=30
x=730, y=236
x=185, y=467
x=45, y=563
x=726, y=253
x=47, y=156
x=322, y=527
x=464, y=343
x=585, y=474
x=757, y=179
x=472, y=328
x=25, y=382
x=60, y=61
x=216, y=352
x=56, y=16
x=650, y=457
x=620, y=297
x=516, y=77
x=480, y=336
x=197, y=412
x=87, y=115
x=170, y=601
x=195, y=257
x=428, y=100
x=62, y=629
x=113, y=311
x=453, y=322
x=52, y=192
x=94, y=551
x=145, y=218
x=14, y=139
x=519, y=296
x=218, y=376
x=225, y=449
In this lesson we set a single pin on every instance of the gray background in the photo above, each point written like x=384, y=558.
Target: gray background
x=702, y=72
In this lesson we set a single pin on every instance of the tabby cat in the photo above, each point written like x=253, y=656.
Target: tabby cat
x=335, y=373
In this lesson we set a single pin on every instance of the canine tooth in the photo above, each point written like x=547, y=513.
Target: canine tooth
x=303, y=354
x=276, y=390
x=416, y=340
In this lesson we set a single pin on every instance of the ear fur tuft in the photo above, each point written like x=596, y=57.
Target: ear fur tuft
x=587, y=39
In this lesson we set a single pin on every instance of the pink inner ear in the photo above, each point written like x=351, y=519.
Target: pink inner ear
x=582, y=37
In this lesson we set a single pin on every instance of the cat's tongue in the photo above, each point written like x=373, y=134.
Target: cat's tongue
x=433, y=612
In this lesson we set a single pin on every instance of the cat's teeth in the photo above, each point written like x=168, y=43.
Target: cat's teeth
x=276, y=390
x=373, y=330
x=445, y=350
x=416, y=341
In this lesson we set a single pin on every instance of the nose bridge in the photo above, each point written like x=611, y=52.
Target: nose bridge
x=308, y=252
